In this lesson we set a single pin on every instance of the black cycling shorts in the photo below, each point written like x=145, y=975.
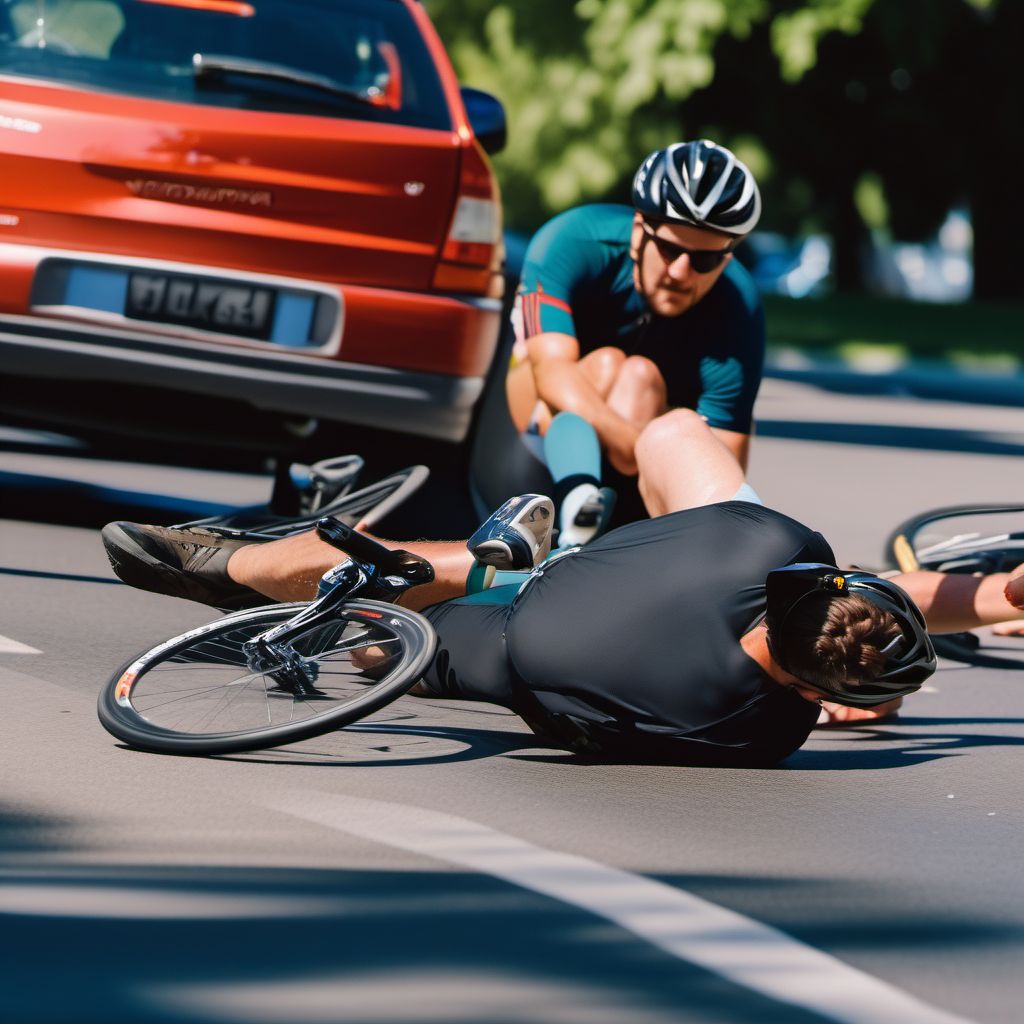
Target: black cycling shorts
x=471, y=660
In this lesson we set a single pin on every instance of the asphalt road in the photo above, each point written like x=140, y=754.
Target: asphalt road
x=436, y=865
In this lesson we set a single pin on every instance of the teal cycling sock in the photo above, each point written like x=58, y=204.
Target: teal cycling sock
x=479, y=578
x=572, y=448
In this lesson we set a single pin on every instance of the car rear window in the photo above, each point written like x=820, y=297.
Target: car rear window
x=361, y=59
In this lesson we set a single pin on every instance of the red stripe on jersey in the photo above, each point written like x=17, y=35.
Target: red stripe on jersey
x=532, y=319
x=557, y=303
x=531, y=310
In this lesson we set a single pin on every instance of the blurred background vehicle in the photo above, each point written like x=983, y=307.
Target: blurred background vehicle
x=211, y=207
x=786, y=266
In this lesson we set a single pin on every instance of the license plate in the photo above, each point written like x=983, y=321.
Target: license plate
x=222, y=306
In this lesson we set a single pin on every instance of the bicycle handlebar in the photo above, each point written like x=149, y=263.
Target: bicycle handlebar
x=365, y=549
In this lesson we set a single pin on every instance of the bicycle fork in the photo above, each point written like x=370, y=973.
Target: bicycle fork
x=272, y=653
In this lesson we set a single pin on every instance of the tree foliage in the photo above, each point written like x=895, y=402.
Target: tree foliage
x=827, y=100
x=589, y=87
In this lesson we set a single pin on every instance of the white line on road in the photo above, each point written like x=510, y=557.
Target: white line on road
x=9, y=646
x=744, y=951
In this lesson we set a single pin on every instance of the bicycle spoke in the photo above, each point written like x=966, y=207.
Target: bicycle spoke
x=206, y=690
x=204, y=687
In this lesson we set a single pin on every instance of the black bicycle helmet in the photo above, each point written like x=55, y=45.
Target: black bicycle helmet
x=697, y=183
x=909, y=657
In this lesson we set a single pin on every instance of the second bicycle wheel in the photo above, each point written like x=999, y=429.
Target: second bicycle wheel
x=960, y=538
x=195, y=694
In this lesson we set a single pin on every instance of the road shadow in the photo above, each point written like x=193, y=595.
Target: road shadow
x=68, y=576
x=389, y=744
x=887, y=435
x=40, y=499
x=206, y=944
x=409, y=739
x=210, y=944
x=902, y=748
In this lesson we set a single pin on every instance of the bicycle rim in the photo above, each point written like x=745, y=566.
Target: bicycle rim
x=194, y=694
x=961, y=539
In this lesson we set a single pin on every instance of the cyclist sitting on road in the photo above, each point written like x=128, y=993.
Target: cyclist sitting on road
x=623, y=313
x=690, y=636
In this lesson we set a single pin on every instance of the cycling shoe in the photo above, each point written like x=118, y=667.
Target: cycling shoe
x=517, y=536
x=585, y=514
x=190, y=563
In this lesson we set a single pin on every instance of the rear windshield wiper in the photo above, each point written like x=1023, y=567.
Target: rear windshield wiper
x=209, y=69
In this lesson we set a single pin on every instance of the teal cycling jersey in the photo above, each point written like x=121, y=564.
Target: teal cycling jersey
x=578, y=280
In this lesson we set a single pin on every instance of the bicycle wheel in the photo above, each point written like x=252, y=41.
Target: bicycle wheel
x=194, y=694
x=961, y=538
x=369, y=504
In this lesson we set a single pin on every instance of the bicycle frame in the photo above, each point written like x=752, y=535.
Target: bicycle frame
x=379, y=573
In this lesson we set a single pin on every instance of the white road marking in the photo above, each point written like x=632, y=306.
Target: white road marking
x=739, y=949
x=9, y=646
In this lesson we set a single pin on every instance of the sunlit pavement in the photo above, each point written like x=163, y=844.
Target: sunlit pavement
x=436, y=865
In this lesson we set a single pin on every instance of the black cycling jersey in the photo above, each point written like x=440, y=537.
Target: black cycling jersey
x=630, y=646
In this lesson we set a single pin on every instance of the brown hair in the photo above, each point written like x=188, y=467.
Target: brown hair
x=837, y=638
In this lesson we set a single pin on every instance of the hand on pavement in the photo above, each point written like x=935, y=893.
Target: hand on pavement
x=1015, y=588
x=840, y=714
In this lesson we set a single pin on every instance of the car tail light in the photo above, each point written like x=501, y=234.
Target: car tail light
x=474, y=235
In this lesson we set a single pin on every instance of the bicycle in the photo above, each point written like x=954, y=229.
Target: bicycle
x=973, y=539
x=951, y=539
x=256, y=678
x=280, y=673
x=321, y=489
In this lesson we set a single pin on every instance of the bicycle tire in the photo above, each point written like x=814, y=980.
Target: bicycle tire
x=904, y=536
x=217, y=684
x=369, y=504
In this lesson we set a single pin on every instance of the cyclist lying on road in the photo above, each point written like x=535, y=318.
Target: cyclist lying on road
x=690, y=636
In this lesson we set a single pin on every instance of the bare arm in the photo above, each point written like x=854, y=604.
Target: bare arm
x=563, y=385
x=952, y=602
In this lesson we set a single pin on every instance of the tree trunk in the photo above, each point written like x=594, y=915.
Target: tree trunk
x=849, y=240
x=997, y=156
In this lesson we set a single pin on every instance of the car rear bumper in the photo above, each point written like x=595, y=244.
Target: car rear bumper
x=425, y=404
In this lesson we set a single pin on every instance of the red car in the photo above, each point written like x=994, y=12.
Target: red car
x=281, y=203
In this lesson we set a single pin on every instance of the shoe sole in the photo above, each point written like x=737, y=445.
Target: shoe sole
x=593, y=517
x=494, y=552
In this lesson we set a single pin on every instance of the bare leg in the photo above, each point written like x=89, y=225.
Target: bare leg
x=599, y=368
x=521, y=394
x=639, y=394
x=602, y=368
x=683, y=465
x=565, y=384
x=290, y=569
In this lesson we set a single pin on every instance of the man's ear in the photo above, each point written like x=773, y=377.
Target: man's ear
x=634, y=249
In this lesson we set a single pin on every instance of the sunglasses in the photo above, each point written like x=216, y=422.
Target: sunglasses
x=703, y=261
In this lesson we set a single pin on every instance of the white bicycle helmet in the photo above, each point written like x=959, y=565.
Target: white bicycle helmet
x=698, y=183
